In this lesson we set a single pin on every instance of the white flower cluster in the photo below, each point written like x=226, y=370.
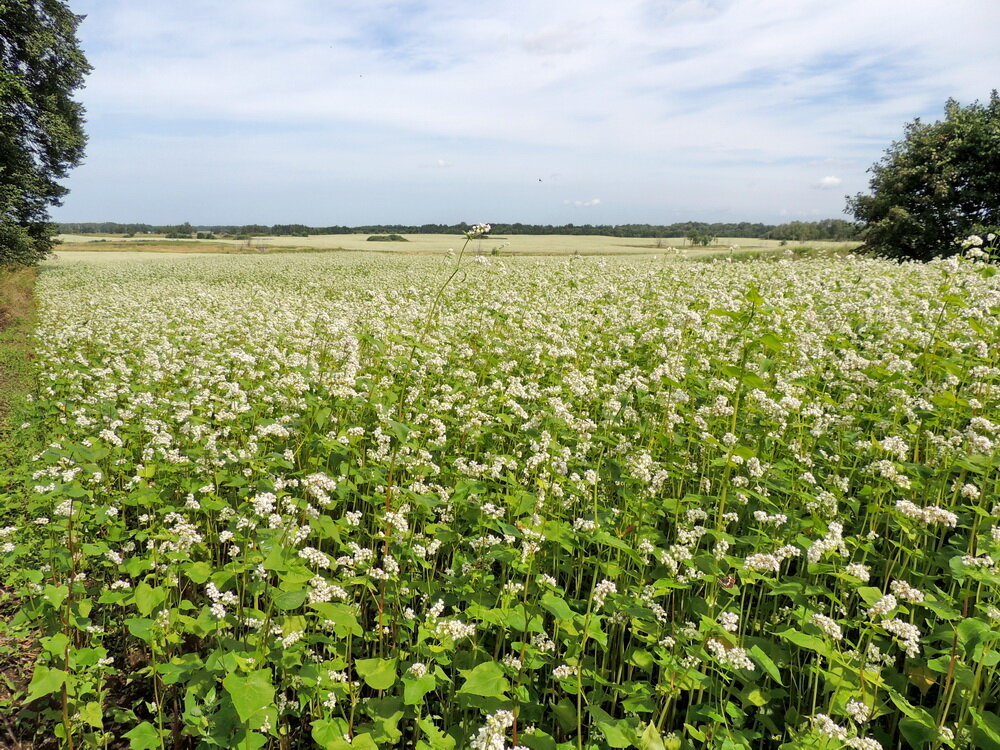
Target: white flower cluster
x=828, y=727
x=315, y=557
x=734, y=658
x=907, y=633
x=883, y=606
x=859, y=571
x=601, y=592
x=492, y=735
x=219, y=600
x=776, y=519
x=771, y=562
x=929, y=516
x=454, y=630
x=906, y=592
x=858, y=711
x=564, y=671
x=828, y=626
x=321, y=590
x=832, y=542
x=730, y=621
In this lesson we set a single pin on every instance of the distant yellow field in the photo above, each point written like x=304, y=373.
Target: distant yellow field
x=523, y=244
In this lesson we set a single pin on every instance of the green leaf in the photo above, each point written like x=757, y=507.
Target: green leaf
x=379, y=674
x=55, y=595
x=56, y=644
x=486, y=679
x=917, y=733
x=617, y=733
x=986, y=733
x=651, y=739
x=251, y=694
x=329, y=734
x=766, y=663
x=343, y=617
x=147, y=598
x=415, y=688
x=141, y=628
x=251, y=741
x=199, y=572
x=803, y=640
x=557, y=606
x=971, y=631
x=753, y=295
x=386, y=714
x=565, y=712
x=290, y=599
x=92, y=714
x=145, y=737
x=45, y=681
x=438, y=739
x=641, y=658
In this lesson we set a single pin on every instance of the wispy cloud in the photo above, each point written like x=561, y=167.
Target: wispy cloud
x=828, y=183
x=231, y=111
x=591, y=202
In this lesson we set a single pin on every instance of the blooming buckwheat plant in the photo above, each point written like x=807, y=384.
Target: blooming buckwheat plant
x=352, y=500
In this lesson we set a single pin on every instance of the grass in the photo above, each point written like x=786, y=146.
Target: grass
x=17, y=319
x=18, y=644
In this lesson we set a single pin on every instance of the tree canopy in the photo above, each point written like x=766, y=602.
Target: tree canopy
x=799, y=231
x=936, y=186
x=41, y=126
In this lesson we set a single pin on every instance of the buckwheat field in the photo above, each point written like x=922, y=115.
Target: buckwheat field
x=350, y=500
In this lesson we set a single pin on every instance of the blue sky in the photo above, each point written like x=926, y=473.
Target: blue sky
x=587, y=111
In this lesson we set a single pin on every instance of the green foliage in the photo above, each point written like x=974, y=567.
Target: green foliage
x=41, y=127
x=700, y=237
x=935, y=186
x=337, y=502
x=826, y=229
x=387, y=238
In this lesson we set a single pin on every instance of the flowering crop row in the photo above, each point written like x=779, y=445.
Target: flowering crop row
x=331, y=501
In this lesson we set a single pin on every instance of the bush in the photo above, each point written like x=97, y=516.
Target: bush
x=387, y=238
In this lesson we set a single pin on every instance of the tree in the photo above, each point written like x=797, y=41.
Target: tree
x=700, y=237
x=41, y=127
x=934, y=187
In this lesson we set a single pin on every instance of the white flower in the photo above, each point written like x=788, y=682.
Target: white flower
x=904, y=591
x=735, y=657
x=882, y=607
x=564, y=671
x=828, y=626
x=492, y=735
x=859, y=571
x=858, y=711
x=601, y=592
x=730, y=621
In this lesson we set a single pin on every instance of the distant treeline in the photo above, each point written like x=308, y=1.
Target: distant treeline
x=828, y=229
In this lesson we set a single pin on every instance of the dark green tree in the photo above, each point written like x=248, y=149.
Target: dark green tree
x=936, y=186
x=41, y=126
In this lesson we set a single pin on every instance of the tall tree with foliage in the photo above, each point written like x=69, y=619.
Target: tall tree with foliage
x=937, y=185
x=41, y=126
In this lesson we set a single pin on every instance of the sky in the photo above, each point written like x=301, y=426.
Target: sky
x=352, y=112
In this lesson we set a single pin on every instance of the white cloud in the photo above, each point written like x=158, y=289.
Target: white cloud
x=697, y=106
x=591, y=202
x=828, y=183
